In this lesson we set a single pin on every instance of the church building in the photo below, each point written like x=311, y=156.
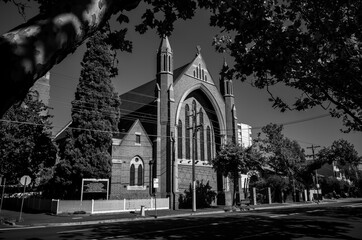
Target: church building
x=166, y=122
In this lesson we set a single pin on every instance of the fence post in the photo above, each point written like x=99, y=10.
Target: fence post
x=124, y=204
x=254, y=196
x=269, y=196
x=305, y=195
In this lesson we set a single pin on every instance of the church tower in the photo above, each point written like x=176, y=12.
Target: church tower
x=165, y=109
x=227, y=91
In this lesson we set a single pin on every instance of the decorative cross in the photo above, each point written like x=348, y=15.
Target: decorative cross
x=198, y=48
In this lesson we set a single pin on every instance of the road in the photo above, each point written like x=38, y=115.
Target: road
x=324, y=221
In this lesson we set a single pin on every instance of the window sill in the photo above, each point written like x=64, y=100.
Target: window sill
x=134, y=188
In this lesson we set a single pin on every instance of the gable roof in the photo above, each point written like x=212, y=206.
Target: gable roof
x=129, y=132
x=188, y=69
x=145, y=94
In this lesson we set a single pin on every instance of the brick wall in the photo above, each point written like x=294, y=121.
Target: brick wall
x=122, y=156
x=207, y=174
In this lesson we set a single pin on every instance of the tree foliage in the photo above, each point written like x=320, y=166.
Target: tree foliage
x=281, y=153
x=312, y=46
x=344, y=155
x=26, y=147
x=234, y=159
x=85, y=152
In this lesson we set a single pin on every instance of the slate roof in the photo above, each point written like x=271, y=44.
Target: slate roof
x=140, y=103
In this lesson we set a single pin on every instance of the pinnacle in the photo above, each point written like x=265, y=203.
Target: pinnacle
x=165, y=44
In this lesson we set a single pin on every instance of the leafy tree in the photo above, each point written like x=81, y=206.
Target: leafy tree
x=85, y=152
x=26, y=147
x=344, y=155
x=282, y=154
x=234, y=159
x=277, y=184
x=312, y=46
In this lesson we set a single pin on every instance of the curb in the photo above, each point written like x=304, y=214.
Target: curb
x=93, y=222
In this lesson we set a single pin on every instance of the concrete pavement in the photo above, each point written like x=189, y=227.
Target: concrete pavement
x=10, y=219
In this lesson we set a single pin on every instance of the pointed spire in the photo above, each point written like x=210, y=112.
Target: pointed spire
x=198, y=50
x=225, y=63
x=165, y=45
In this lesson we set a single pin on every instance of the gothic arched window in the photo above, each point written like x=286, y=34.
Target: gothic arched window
x=195, y=147
x=132, y=175
x=209, y=143
x=202, y=138
x=169, y=63
x=179, y=139
x=136, y=172
x=140, y=176
x=164, y=62
x=187, y=130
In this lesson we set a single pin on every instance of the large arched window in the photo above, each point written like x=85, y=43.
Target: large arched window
x=202, y=141
x=140, y=176
x=136, y=172
x=179, y=139
x=195, y=147
x=187, y=130
x=132, y=175
x=209, y=143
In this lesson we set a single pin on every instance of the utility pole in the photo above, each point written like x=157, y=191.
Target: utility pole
x=194, y=129
x=316, y=172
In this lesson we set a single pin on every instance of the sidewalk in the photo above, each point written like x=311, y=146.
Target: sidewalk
x=10, y=219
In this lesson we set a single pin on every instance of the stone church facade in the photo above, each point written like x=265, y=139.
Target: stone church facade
x=156, y=130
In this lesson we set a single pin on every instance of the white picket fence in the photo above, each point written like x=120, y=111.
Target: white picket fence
x=108, y=206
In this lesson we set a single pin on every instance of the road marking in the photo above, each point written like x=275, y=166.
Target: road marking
x=353, y=205
x=283, y=215
x=21, y=228
x=280, y=215
x=255, y=235
x=318, y=210
x=72, y=231
x=291, y=214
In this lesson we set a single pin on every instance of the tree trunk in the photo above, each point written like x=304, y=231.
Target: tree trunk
x=30, y=50
x=235, y=189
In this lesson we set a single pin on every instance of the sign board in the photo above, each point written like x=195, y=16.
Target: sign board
x=25, y=180
x=91, y=185
x=155, y=183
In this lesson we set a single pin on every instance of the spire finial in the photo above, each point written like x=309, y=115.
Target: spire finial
x=225, y=63
x=198, y=49
x=165, y=44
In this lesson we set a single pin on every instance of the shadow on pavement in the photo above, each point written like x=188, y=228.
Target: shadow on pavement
x=231, y=226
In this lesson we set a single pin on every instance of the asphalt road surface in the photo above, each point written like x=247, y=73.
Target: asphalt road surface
x=324, y=221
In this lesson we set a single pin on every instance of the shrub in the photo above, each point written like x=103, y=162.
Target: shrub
x=204, y=196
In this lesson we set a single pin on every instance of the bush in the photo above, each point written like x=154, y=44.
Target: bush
x=204, y=196
x=335, y=188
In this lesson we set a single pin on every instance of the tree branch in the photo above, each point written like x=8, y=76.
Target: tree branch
x=33, y=48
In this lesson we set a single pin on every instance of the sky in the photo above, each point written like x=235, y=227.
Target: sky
x=312, y=127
